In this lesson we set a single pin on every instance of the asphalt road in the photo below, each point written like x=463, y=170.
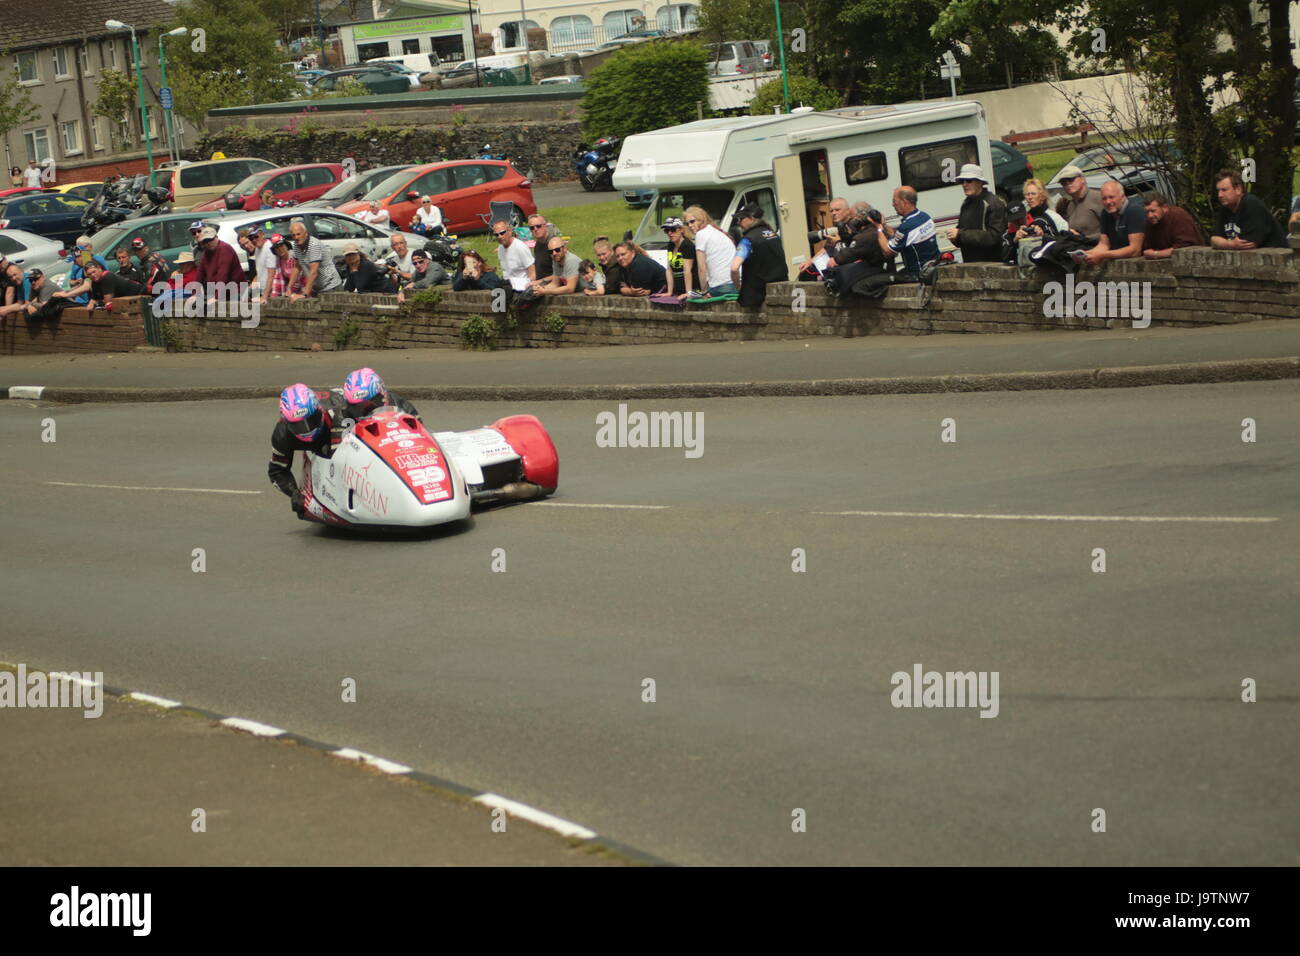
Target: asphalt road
x=1117, y=690
x=558, y=195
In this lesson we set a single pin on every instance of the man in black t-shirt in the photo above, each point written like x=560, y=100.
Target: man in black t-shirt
x=105, y=286
x=542, y=266
x=1242, y=221
x=1123, y=226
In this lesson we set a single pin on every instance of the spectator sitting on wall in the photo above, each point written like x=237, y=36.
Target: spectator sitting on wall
x=513, y=256
x=604, y=253
x=1123, y=226
x=563, y=279
x=914, y=236
x=639, y=274
x=373, y=214
x=1242, y=221
x=1083, y=208
x=840, y=234
x=542, y=233
x=714, y=252
x=33, y=296
x=126, y=268
x=1040, y=224
x=427, y=220
x=105, y=287
x=362, y=275
x=285, y=264
x=982, y=220
x=864, y=267
x=1168, y=228
x=760, y=257
x=78, y=290
x=681, y=257
x=474, y=274
x=12, y=300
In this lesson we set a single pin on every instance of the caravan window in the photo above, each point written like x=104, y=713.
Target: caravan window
x=715, y=202
x=766, y=201
x=869, y=168
x=924, y=167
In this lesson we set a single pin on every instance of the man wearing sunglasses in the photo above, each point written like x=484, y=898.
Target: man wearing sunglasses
x=515, y=258
x=563, y=279
x=541, y=230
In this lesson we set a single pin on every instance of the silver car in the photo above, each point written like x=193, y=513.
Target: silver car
x=29, y=250
x=1137, y=167
x=732, y=57
x=335, y=229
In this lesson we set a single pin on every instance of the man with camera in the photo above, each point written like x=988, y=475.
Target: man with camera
x=862, y=264
x=401, y=268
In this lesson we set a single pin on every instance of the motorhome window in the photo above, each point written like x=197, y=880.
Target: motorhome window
x=766, y=202
x=869, y=168
x=715, y=202
x=935, y=165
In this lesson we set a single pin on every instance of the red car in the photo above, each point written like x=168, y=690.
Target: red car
x=298, y=184
x=461, y=189
x=23, y=189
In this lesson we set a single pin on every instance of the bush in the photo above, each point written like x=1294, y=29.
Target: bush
x=426, y=299
x=346, y=332
x=552, y=322
x=803, y=92
x=645, y=86
x=478, y=333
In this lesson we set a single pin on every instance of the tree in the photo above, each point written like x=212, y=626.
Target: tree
x=236, y=63
x=117, y=101
x=16, y=107
x=803, y=92
x=645, y=86
x=288, y=16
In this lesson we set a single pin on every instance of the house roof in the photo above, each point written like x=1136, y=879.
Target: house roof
x=47, y=22
x=388, y=10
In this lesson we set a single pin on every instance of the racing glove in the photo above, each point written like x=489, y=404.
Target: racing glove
x=298, y=504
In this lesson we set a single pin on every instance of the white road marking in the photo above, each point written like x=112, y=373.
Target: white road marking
x=992, y=517
x=379, y=763
x=533, y=815
x=68, y=678
x=571, y=504
x=253, y=727
x=156, y=701
x=26, y=391
x=210, y=491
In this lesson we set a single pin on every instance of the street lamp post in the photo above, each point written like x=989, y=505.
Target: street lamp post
x=780, y=42
x=139, y=85
x=172, y=150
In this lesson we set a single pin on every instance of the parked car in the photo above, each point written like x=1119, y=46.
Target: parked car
x=86, y=191
x=29, y=250
x=764, y=49
x=354, y=188
x=45, y=214
x=557, y=80
x=735, y=56
x=289, y=183
x=196, y=183
x=638, y=197
x=1136, y=166
x=461, y=189
x=1011, y=169
x=373, y=79
x=167, y=233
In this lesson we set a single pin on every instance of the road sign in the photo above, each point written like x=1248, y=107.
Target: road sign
x=165, y=97
x=948, y=58
x=950, y=72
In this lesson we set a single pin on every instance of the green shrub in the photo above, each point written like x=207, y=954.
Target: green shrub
x=803, y=92
x=645, y=86
x=171, y=335
x=346, y=332
x=478, y=333
x=552, y=322
x=424, y=299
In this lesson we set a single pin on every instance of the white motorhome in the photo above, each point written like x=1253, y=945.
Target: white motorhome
x=792, y=165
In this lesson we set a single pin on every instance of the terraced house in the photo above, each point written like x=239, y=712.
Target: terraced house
x=59, y=50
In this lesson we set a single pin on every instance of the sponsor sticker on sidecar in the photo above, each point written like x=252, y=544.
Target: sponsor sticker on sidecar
x=418, y=460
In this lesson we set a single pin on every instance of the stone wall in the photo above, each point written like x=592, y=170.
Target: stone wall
x=539, y=147
x=76, y=331
x=1194, y=288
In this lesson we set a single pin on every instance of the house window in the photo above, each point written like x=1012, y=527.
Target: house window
x=566, y=30
x=95, y=141
x=622, y=21
x=61, y=71
x=511, y=38
x=111, y=61
x=71, y=133
x=29, y=70
x=125, y=135
x=84, y=54
x=155, y=124
x=38, y=144
x=677, y=17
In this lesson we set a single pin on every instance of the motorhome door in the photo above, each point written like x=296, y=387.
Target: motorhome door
x=788, y=176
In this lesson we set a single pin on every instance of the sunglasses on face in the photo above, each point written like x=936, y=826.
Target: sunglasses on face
x=503, y=232
x=691, y=222
x=560, y=250
x=540, y=225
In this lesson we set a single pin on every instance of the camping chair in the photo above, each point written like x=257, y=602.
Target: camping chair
x=504, y=211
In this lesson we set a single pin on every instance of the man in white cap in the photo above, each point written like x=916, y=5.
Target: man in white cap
x=983, y=219
x=1083, y=208
x=220, y=262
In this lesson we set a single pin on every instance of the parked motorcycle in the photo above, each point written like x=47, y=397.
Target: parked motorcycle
x=123, y=199
x=594, y=164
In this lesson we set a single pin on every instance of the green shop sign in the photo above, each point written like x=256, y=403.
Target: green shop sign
x=369, y=31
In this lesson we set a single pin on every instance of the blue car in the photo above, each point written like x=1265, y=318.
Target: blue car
x=638, y=197
x=52, y=215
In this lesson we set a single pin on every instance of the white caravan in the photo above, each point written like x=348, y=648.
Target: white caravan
x=792, y=165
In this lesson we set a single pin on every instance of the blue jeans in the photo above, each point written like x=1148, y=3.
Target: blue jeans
x=727, y=288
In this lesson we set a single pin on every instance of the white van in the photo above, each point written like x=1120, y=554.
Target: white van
x=419, y=62
x=792, y=165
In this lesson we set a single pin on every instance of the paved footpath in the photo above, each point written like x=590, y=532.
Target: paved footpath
x=595, y=371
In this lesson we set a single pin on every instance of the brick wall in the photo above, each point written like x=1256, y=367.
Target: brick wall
x=1194, y=288
x=76, y=331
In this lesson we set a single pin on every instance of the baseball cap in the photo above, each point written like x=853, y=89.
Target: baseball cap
x=34, y=273
x=254, y=231
x=84, y=241
x=351, y=247
x=137, y=242
x=673, y=223
x=196, y=225
x=750, y=211
x=207, y=233
x=419, y=254
x=1067, y=173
